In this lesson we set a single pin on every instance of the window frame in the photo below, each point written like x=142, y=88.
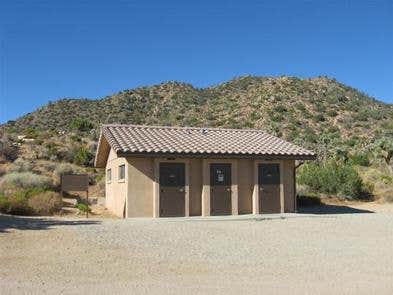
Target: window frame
x=121, y=170
x=109, y=175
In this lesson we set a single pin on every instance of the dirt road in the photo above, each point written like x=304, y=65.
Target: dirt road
x=350, y=253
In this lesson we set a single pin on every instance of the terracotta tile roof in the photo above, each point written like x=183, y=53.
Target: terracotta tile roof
x=139, y=139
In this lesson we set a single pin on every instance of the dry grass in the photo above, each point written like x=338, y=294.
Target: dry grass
x=382, y=182
x=45, y=203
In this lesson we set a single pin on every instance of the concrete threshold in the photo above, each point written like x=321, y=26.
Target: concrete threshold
x=245, y=217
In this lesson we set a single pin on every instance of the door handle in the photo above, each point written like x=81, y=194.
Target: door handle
x=228, y=189
x=181, y=190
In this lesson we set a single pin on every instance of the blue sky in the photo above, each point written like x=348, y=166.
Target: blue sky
x=54, y=49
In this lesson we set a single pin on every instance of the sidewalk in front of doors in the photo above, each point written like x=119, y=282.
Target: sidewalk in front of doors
x=245, y=217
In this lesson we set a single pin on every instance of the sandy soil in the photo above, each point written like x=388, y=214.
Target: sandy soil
x=343, y=253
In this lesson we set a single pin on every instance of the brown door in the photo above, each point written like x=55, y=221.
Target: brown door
x=269, y=188
x=172, y=189
x=220, y=194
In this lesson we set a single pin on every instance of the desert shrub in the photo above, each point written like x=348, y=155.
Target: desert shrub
x=83, y=156
x=332, y=113
x=52, y=150
x=81, y=124
x=333, y=177
x=66, y=168
x=386, y=179
x=352, y=141
x=383, y=148
x=319, y=118
x=7, y=149
x=276, y=117
x=320, y=107
x=30, y=201
x=360, y=159
x=3, y=203
x=334, y=129
x=31, y=132
x=15, y=204
x=15, y=200
x=300, y=106
x=308, y=200
x=48, y=166
x=76, y=138
x=20, y=165
x=45, y=203
x=280, y=109
x=309, y=135
x=25, y=180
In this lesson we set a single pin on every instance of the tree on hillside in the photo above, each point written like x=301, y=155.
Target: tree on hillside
x=384, y=149
x=81, y=124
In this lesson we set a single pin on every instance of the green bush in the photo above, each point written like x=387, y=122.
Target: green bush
x=3, y=203
x=15, y=201
x=30, y=201
x=333, y=178
x=15, y=204
x=360, y=159
x=83, y=157
x=25, y=180
x=83, y=207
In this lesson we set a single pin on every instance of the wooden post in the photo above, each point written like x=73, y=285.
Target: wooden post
x=62, y=204
x=87, y=203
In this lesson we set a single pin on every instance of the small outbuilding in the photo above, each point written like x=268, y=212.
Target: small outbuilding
x=156, y=171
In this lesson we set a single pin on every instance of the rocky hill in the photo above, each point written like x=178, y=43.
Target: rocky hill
x=300, y=110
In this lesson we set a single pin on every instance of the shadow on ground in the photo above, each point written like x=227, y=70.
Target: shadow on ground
x=331, y=209
x=8, y=222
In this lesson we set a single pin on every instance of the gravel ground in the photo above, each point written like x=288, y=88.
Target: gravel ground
x=298, y=254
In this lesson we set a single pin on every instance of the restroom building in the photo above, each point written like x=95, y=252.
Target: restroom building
x=160, y=171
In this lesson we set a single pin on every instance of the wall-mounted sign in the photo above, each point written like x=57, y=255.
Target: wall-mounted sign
x=220, y=176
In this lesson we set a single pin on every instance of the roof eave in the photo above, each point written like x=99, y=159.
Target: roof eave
x=216, y=155
x=102, y=152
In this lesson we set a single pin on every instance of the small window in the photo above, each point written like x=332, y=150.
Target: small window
x=108, y=175
x=122, y=172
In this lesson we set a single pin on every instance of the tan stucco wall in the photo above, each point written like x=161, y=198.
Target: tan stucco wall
x=139, y=187
x=115, y=191
x=246, y=185
x=289, y=194
x=195, y=187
